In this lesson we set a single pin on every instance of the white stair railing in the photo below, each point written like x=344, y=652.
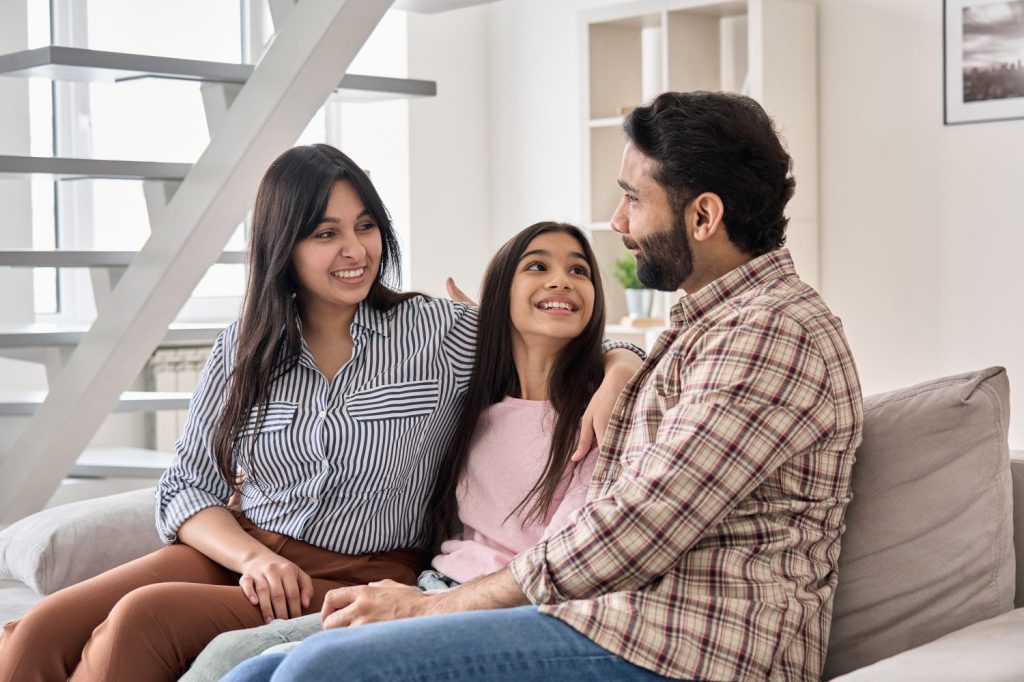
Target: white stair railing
x=306, y=61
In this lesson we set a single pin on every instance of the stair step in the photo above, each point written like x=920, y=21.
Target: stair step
x=25, y=403
x=47, y=334
x=120, y=462
x=55, y=62
x=72, y=169
x=62, y=258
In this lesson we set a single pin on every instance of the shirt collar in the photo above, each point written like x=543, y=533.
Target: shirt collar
x=369, y=318
x=772, y=265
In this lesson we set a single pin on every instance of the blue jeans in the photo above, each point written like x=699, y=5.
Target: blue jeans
x=506, y=645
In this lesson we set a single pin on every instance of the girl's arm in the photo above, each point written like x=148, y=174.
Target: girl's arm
x=620, y=364
x=278, y=586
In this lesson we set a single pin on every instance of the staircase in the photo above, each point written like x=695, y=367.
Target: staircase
x=252, y=111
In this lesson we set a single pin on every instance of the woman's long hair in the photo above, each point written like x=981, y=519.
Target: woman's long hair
x=576, y=374
x=290, y=204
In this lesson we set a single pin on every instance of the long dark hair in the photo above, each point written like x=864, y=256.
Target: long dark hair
x=290, y=204
x=576, y=374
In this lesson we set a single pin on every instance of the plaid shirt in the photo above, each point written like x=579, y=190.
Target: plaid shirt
x=708, y=546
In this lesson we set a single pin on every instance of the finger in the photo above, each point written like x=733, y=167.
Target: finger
x=457, y=294
x=305, y=589
x=339, y=619
x=292, y=596
x=586, y=437
x=248, y=589
x=279, y=599
x=266, y=604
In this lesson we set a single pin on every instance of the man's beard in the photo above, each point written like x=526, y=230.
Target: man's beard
x=665, y=259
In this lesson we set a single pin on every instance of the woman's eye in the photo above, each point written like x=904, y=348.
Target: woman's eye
x=324, y=234
x=363, y=227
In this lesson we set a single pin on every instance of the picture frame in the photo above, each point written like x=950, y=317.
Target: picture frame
x=983, y=56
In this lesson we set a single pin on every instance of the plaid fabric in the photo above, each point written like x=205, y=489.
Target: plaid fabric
x=708, y=545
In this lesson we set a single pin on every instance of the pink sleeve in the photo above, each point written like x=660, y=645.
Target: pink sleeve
x=575, y=495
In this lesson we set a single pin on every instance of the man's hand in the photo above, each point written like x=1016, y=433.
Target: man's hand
x=279, y=587
x=620, y=366
x=457, y=294
x=378, y=601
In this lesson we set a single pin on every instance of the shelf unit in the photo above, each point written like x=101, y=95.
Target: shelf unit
x=766, y=49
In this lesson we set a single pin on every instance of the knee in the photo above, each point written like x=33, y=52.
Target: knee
x=144, y=605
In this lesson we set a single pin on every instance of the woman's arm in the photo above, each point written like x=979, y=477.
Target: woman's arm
x=278, y=586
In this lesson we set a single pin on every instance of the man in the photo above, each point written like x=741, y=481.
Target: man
x=708, y=547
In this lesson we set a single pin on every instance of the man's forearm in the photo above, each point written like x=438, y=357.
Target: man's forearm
x=495, y=591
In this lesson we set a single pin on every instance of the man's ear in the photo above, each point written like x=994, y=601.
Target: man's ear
x=708, y=215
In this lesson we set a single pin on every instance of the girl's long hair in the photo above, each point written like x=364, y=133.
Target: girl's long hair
x=576, y=374
x=290, y=204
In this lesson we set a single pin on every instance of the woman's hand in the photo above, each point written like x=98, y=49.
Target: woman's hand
x=457, y=294
x=620, y=366
x=280, y=588
x=378, y=601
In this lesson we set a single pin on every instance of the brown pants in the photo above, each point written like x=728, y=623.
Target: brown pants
x=148, y=619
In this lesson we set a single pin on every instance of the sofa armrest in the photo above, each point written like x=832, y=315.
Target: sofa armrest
x=989, y=651
x=1017, y=472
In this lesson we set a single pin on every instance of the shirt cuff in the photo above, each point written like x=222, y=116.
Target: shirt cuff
x=179, y=509
x=530, y=572
x=608, y=345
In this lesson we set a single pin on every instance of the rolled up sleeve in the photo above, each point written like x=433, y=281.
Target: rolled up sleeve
x=192, y=482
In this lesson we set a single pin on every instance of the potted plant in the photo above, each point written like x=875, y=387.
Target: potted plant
x=639, y=299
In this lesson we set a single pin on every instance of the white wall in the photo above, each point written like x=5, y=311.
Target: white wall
x=922, y=224
x=450, y=163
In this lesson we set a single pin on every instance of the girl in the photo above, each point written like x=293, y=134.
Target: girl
x=334, y=395
x=507, y=476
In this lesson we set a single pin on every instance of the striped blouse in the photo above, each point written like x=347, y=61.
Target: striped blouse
x=346, y=465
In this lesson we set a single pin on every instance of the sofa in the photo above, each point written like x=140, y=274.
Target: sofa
x=928, y=572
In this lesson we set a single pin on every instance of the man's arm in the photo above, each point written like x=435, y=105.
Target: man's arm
x=388, y=600
x=747, y=399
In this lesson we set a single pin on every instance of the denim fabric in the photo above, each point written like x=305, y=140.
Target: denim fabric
x=507, y=645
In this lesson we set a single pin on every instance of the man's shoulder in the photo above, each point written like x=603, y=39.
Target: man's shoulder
x=783, y=301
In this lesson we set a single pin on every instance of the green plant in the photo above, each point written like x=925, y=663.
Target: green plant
x=624, y=270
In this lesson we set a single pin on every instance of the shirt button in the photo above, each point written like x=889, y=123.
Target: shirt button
x=325, y=464
x=323, y=414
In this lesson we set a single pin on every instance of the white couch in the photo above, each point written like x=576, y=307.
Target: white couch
x=928, y=573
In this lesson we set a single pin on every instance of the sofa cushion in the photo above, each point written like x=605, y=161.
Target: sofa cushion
x=992, y=650
x=64, y=545
x=929, y=542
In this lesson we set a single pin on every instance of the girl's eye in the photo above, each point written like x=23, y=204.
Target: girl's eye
x=580, y=270
x=535, y=266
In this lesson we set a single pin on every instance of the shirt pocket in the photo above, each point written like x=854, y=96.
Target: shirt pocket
x=278, y=416
x=406, y=400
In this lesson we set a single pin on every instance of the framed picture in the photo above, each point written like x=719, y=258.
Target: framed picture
x=984, y=60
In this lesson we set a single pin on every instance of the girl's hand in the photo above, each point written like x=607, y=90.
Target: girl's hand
x=280, y=588
x=618, y=371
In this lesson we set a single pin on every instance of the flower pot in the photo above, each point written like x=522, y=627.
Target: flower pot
x=639, y=302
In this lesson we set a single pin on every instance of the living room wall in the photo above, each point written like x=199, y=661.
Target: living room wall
x=921, y=227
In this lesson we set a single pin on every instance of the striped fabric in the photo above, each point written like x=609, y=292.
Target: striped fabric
x=709, y=545
x=346, y=465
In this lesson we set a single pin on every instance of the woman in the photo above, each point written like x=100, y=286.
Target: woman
x=334, y=395
x=507, y=477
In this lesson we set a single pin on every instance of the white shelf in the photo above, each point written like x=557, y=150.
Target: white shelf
x=59, y=258
x=25, y=403
x=76, y=169
x=55, y=62
x=610, y=122
x=51, y=335
x=121, y=462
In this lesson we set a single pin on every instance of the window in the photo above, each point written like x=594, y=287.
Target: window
x=163, y=120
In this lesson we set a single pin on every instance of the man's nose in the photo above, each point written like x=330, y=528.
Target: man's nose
x=618, y=220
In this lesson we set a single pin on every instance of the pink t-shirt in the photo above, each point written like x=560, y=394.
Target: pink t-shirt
x=507, y=455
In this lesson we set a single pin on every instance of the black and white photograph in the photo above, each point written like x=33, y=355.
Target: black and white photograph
x=984, y=55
